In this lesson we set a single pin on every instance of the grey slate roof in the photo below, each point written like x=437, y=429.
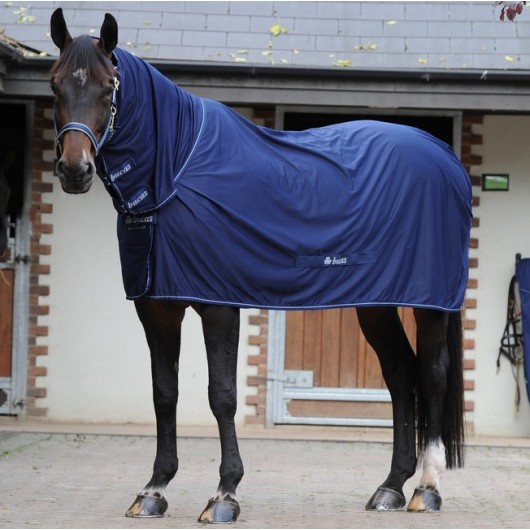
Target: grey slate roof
x=370, y=34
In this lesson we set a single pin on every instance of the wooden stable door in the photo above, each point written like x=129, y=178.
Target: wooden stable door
x=331, y=346
x=6, y=321
x=15, y=142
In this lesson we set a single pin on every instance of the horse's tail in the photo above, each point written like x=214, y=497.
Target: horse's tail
x=453, y=417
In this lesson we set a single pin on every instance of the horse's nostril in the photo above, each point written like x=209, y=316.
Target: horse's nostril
x=75, y=172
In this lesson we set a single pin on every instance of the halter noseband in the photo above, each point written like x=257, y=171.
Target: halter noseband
x=76, y=126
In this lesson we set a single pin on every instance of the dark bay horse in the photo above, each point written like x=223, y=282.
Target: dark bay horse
x=99, y=113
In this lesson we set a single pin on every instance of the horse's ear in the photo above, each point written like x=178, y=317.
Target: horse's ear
x=108, y=38
x=60, y=34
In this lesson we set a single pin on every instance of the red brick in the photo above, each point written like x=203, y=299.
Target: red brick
x=469, y=385
x=38, y=350
x=469, y=364
x=469, y=344
x=43, y=228
x=469, y=406
x=40, y=290
x=38, y=331
x=255, y=400
x=43, y=187
x=37, y=392
x=257, y=340
x=470, y=303
x=256, y=359
x=38, y=371
x=472, y=283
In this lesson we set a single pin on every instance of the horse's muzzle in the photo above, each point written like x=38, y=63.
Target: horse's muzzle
x=76, y=178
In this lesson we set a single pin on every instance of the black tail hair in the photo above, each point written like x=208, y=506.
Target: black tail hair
x=453, y=435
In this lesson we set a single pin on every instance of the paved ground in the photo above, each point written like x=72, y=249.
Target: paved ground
x=72, y=476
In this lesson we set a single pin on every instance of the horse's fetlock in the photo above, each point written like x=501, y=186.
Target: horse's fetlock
x=235, y=474
x=152, y=491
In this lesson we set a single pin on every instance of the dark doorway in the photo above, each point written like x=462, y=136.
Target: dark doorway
x=13, y=271
x=439, y=126
x=12, y=154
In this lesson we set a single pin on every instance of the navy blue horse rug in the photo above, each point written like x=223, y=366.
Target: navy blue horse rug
x=218, y=210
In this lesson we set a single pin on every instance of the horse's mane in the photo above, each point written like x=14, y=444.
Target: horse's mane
x=82, y=53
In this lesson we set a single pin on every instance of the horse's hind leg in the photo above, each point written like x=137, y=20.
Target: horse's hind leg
x=440, y=414
x=383, y=330
x=221, y=335
x=162, y=324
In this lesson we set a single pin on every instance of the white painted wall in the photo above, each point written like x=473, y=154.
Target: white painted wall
x=504, y=230
x=98, y=362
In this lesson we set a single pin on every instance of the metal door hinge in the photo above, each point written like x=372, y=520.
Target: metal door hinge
x=298, y=378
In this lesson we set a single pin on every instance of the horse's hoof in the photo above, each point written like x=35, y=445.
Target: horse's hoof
x=220, y=511
x=386, y=499
x=146, y=506
x=425, y=500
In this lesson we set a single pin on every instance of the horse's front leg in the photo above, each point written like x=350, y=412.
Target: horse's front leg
x=162, y=324
x=221, y=335
x=383, y=330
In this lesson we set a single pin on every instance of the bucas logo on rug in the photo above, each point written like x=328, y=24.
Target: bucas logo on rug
x=335, y=261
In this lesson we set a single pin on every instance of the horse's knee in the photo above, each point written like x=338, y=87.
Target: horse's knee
x=223, y=403
x=165, y=399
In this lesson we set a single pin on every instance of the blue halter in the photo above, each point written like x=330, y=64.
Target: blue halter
x=76, y=126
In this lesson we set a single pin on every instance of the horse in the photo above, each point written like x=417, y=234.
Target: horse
x=186, y=173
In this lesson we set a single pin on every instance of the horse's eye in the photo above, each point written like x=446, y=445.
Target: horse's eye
x=106, y=92
x=53, y=87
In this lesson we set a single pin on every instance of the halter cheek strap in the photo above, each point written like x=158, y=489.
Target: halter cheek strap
x=76, y=126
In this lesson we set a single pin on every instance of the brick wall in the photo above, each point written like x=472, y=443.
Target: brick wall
x=39, y=271
x=470, y=139
x=259, y=361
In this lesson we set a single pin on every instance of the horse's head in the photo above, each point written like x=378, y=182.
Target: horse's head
x=84, y=83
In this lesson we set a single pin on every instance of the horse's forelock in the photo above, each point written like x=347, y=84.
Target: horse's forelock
x=82, y=53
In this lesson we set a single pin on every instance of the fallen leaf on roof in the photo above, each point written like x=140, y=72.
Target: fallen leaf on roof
x=277, y=29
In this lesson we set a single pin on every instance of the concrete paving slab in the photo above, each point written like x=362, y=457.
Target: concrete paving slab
x=83, y=479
